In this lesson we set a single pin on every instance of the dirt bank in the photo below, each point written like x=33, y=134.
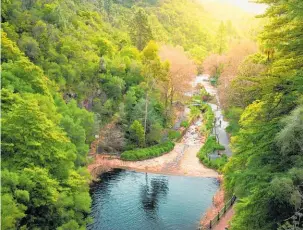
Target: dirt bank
x=188, y=165
x=182, y=160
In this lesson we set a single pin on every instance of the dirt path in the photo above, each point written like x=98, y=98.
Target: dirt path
x=182, y=160
x=224, y=222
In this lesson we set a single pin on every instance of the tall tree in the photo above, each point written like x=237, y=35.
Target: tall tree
x=140, y=30
x=221, y=39
x=234, y=57
x=154, y=71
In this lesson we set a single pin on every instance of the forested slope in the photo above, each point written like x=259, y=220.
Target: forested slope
x=262, y=96
x=43, y=149
x=69, y=68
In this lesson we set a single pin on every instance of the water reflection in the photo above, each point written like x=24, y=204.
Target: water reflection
x=131, y=200
x=151, y=192
x=113, y=175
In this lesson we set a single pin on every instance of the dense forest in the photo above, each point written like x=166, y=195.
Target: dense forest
x=75, y=72
x=72, y=69
x=261, y=92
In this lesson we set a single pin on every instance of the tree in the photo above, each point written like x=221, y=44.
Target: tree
x=181, y=72
x=111, y=138
x=140, y=30
x=154, y=135
x=245, y=87
x=30, y=46
x=230, y=64
x=154, y=72
x=221, y=39
x=213, y=65
x=137, y=133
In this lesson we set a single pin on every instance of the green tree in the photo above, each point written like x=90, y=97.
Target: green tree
x=137, y=133
x=30, y=46
x=221, y=39
x=140, y=30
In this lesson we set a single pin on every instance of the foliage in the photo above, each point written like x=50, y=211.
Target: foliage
x=137, y=133
x=69, y=68
x=266, y=167
x=194, y=112
x=233, y=115
x=146, y=153
x=208, y=119
x=210, y=146
x=174, y=135
x=43, y=149
x=185, y=124
x=44, y=143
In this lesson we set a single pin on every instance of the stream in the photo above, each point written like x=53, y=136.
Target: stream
x=221, y=124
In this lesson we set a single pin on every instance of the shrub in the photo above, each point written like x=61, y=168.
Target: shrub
x=194, y=112
x=210, y=146
x=208, y=119
x=173, y=135
x=205, y=95
x=147, y=153
x=137, y=133
x=185, y=124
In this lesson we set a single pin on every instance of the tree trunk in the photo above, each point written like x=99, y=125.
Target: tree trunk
x=171, y=96
x=145, y=117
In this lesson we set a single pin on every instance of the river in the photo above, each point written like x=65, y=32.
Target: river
x=132, y=200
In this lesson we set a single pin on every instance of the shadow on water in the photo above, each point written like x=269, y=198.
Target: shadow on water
x=151, y=193
x=124, y=199
x=105, y=178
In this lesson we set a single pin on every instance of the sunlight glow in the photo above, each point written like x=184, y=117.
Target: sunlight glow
x=247, y=5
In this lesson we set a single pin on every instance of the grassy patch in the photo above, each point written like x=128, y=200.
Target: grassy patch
x=209, y=147
x=147, y=153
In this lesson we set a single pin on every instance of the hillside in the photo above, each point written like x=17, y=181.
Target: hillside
x=113, y=73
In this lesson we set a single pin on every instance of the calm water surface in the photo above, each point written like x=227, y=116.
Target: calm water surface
x=134, y=201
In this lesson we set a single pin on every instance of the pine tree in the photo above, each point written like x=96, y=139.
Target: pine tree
x=140, y=30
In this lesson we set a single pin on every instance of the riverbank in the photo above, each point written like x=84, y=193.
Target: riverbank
x=182, y=160
x=223, y=139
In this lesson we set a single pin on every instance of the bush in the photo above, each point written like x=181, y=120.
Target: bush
x=173, y=135
x=205, y=95
x=147, y=153
x=194, y=112
x=208, y=118
x=210, y=146
x=185, y=124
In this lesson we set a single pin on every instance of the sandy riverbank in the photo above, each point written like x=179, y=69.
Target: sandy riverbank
x=188, y=165
x=182, y=160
